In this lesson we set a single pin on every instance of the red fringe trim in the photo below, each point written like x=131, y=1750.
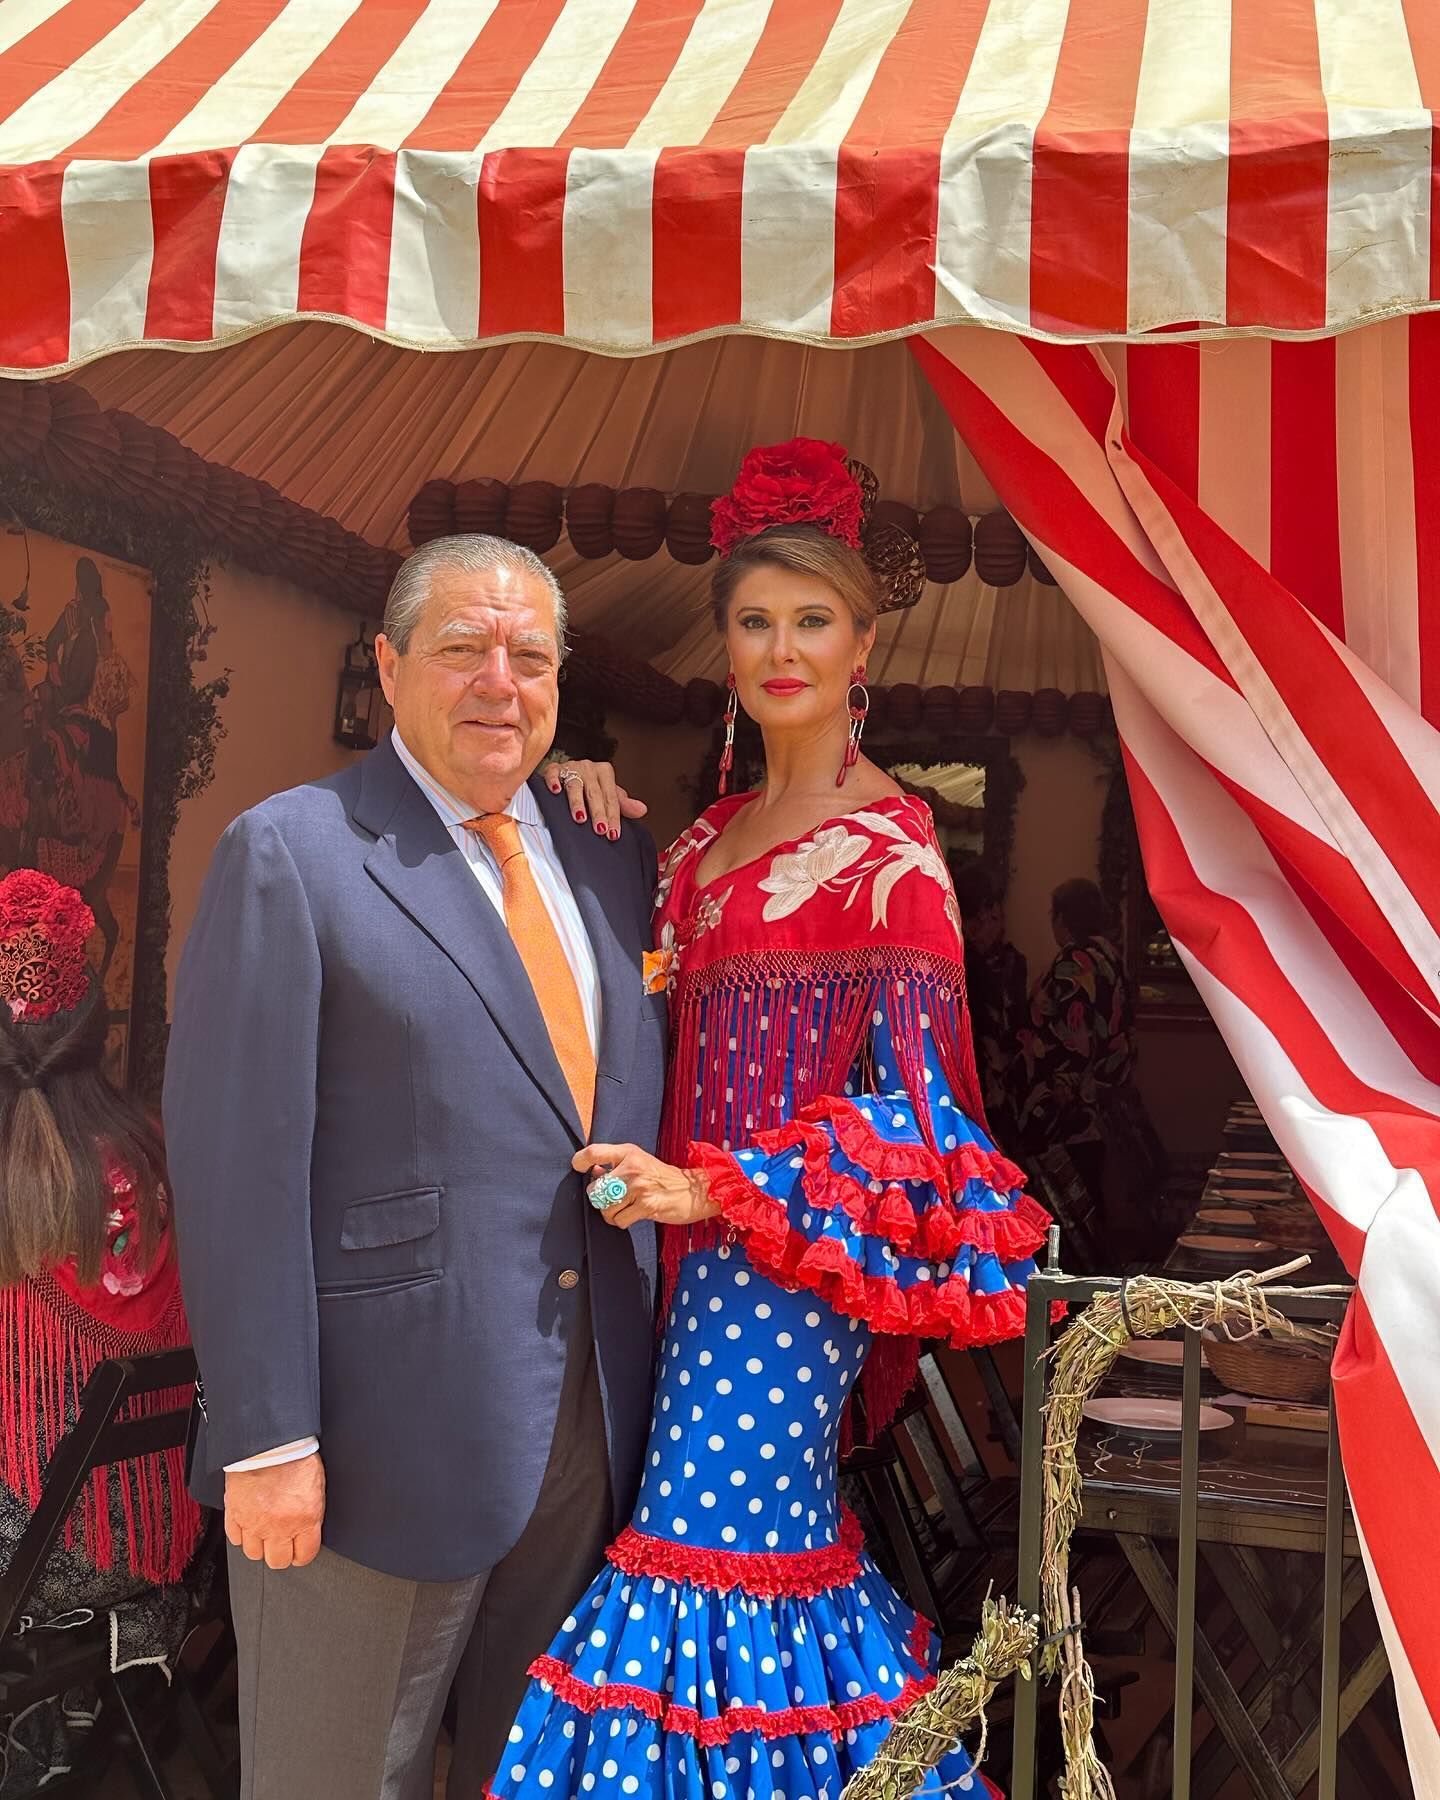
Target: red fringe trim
x=934, y=1309
x=763, y=1574
x=718, y=1729
x=58, y=1346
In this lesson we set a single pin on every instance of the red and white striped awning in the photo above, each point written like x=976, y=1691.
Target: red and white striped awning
x=629, y=173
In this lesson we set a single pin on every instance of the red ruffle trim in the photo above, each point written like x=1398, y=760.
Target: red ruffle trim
x=763, y=1574
x=930, y=1309
x=717, y=1729
x=936, y=1231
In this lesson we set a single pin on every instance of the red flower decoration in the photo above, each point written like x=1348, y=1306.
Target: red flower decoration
x=804, y=482
x=44, y=927
x=24, y=895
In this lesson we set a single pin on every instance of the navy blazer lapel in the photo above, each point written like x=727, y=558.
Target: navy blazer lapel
x=418, y=864
x=596, y=871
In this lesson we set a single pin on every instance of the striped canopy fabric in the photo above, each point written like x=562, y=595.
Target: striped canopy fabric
x=1249, y=530
x=628, y=173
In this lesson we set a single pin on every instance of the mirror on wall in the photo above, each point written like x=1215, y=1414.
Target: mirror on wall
x=971, y=784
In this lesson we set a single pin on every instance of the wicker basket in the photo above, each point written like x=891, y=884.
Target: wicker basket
x=1269, y=1368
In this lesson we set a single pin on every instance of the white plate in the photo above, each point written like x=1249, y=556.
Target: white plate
x=1151, y=1418
x=1227, y=1246
x=1168, y=1353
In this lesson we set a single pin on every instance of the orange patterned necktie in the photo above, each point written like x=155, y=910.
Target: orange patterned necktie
x=533, y=933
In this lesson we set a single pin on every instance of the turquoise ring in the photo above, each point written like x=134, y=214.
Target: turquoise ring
x=608, y=1191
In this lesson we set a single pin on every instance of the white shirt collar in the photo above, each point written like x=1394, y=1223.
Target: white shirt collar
x=522, y=806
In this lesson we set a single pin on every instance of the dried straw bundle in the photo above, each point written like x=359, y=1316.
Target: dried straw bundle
x=1082, y=1357
x=932, y=1726
x=1143, y=1307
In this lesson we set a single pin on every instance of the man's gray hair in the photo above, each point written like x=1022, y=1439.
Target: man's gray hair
x=475, y=554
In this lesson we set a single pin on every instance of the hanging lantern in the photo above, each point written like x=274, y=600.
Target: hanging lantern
x=977, y=710
x=432, y=513
x=946, y=543
x=359, y=708
x=588, y=511
x=1048, y=712
x=1087, y=714
x=1000, y=550
x=480, y=507
x=907, y=703
x=940, y=708
x=1012, y=712
x=532, y=515
x=1038, y=569
x=687, y=528
x=638, y=522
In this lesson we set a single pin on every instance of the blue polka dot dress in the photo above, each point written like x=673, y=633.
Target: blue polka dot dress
x=739, y=1643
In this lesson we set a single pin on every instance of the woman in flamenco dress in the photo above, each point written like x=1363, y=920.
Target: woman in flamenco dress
x=829, y=1199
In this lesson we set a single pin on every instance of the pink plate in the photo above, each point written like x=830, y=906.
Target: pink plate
x=1167, y=1353
x=1227, y=1246
x=1149, y=1418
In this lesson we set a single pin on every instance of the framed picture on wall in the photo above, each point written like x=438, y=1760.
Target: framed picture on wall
x=75, y=651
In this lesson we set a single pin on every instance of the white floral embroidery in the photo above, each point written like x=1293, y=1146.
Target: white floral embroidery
x=798, y=875
x=696, y=839
x=832, y=860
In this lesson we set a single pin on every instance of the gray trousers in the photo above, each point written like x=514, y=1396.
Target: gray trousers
x=344, y=1672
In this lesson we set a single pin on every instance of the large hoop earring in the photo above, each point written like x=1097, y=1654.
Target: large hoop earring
x=727, y=755
x=859, y=711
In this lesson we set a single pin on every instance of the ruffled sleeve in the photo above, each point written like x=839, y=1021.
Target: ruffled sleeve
x=911, y=1220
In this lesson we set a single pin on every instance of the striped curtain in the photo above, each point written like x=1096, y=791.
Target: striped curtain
x=1251, y=531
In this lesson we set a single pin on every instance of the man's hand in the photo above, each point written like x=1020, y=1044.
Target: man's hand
x=276, y=1514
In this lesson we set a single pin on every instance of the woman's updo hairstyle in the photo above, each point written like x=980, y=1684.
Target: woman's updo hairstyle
x=804, y=550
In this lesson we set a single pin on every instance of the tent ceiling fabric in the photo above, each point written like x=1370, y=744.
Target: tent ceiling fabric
x=623, y=176
x=353, y=428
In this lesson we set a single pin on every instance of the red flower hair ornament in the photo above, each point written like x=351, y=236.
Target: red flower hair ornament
x=810, y=482
x=804, y=482
x=44, y=928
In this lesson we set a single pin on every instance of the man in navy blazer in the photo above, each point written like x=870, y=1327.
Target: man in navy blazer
x=426, y=1362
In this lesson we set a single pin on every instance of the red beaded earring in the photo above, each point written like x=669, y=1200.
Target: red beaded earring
x=859, y=712
x=727, y=755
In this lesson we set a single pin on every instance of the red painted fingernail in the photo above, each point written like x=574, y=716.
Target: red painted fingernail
x=600, y=828
x=579, y=818
x=615, y=834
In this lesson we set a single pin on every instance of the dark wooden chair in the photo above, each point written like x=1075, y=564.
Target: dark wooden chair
x=140, y=1716
x=1057, y=1186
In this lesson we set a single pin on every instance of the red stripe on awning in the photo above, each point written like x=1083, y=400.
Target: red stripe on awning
x=318, y=102
x=887, y=197
x=636, y=69
x=345, y=251
x=1304, y=481
x=695, y=214
x=477, y=93
x=1080, y=192
x=1162, y=394
x=1279, y=167
x=148, y=112
x=522, y=242
x=187, y=203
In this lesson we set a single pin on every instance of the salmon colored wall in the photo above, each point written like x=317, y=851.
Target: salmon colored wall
x=284, y=649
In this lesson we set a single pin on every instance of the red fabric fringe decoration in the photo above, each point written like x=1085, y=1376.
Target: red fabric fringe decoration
x=763, y=1574
x=57, y=1345
x=718, y=1729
